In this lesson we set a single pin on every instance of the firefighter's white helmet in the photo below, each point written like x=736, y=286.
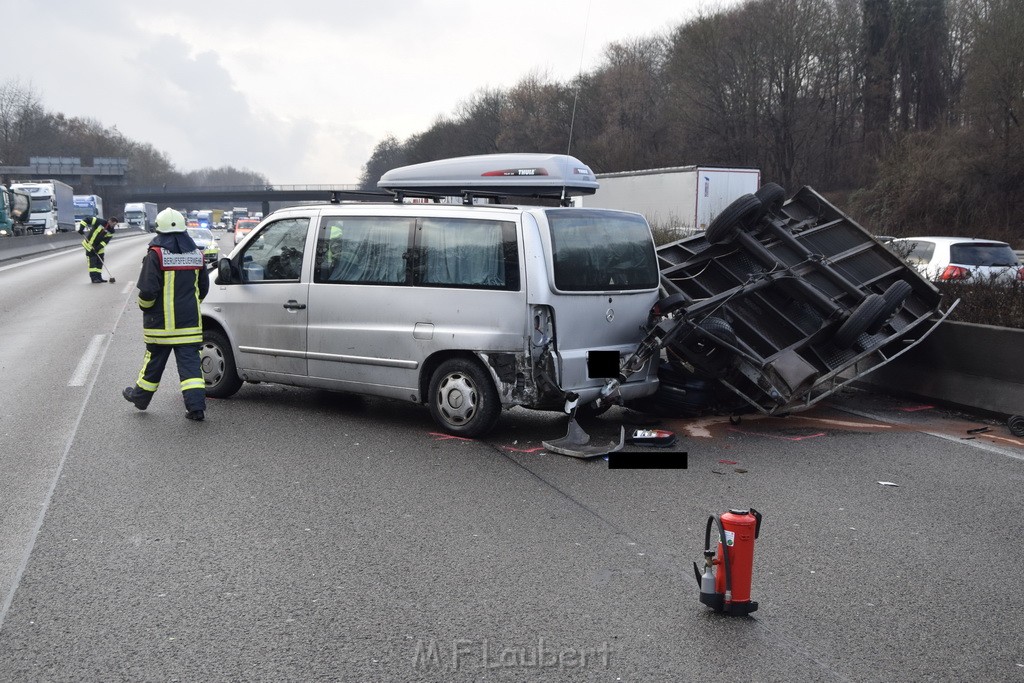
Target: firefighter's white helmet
x=170, y=220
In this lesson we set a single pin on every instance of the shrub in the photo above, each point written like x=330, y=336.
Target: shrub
x=985, y=304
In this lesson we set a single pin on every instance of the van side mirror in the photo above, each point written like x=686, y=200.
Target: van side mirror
x=224, y=271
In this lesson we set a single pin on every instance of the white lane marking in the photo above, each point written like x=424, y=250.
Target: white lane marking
x=85, y=365
x=72, y=248
x=973, y=443
x=44, y=507
x=19, y=264
x=128, y=287
x=844, y=423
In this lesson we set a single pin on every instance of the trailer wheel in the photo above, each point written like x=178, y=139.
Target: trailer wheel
x=771, y=195
x=670, y=304
x=701, y=348
x=868, y=313
x=894, y=297
x=726, y=225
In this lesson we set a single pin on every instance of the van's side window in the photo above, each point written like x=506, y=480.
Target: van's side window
x=362, y=249
x=276, y=253
x=459, y=252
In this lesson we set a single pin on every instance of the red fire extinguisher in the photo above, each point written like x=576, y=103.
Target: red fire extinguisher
x=728, y=570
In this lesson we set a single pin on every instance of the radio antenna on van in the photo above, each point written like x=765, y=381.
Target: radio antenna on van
x=575, y=100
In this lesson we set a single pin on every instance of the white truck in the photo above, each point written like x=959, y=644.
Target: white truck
x=141, y=215
x=683, y=198
x=52, y=206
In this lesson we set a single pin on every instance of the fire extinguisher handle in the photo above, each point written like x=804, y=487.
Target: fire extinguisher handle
x=757, y=527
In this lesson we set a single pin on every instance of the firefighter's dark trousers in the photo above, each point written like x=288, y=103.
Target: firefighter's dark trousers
x=186, y=356
x=95, y=266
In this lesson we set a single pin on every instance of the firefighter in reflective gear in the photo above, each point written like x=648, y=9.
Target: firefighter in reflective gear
x=172, y=283
x=97, y=233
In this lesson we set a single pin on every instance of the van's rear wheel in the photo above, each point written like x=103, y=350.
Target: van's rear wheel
x=462, y=398
x=218, y=365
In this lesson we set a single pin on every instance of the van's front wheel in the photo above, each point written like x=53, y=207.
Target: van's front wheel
x=463, y=400
x=218, y=365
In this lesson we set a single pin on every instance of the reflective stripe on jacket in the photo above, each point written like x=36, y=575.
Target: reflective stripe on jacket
x=97, y=239
x=171, y=287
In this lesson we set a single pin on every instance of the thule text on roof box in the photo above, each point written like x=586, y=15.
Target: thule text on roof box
x=548, y=176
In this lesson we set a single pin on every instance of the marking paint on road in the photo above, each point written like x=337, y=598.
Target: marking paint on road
x=85, y=365
x=128, y=287
x=448, y=437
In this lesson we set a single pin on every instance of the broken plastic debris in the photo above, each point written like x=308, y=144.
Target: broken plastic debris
x=888, y=483
x=651, y=437
x=728, y=462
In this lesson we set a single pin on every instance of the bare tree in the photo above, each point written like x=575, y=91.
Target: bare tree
x=20, y=111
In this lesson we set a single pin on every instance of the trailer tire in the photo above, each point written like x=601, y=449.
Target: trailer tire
x=894, y=297
x=701, y=349
x=669, y=304
x=867, y=314
x=726, y=225
x=771, y=195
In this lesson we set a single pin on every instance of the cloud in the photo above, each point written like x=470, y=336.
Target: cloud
x=303, y=91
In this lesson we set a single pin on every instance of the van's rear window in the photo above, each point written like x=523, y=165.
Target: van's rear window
x=596, y=251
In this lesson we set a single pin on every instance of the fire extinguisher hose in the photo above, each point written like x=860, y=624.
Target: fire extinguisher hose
x=725, y=550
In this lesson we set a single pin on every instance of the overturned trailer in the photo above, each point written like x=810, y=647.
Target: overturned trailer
x=775, y=306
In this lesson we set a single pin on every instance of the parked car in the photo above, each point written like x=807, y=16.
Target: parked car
x=206, y=242
x=945, y=259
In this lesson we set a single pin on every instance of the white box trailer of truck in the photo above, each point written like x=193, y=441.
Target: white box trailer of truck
x=141, y=215
x=683, y=197
x=52, y=207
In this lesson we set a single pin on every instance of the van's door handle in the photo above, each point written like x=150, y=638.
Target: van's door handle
x=294, y=305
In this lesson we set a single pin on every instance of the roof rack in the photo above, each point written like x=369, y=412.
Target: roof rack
x=493, y=176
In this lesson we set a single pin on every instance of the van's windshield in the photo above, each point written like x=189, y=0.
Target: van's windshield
x=596, y=250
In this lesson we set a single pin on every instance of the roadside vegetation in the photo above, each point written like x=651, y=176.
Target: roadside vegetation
x=986, y=304
x=906, y=114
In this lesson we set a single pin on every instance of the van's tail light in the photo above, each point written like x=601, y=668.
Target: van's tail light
x=954, y=273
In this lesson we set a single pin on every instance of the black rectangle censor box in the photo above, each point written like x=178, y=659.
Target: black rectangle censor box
x=660, y=460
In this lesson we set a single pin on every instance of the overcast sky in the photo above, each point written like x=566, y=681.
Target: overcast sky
x=302, y=91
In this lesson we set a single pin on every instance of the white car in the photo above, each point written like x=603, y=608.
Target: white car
x=960, y=259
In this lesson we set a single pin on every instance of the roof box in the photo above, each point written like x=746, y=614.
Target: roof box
x=552, y=176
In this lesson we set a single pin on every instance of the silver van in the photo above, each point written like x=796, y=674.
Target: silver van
x=469, y=308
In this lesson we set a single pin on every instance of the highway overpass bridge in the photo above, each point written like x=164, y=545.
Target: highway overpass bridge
x=244, y=195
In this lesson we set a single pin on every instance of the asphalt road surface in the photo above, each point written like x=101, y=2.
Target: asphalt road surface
x=302, y=535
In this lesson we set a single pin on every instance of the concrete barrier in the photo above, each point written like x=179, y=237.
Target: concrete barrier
x=30, y=245
x=34, y=245
x=962, y=364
